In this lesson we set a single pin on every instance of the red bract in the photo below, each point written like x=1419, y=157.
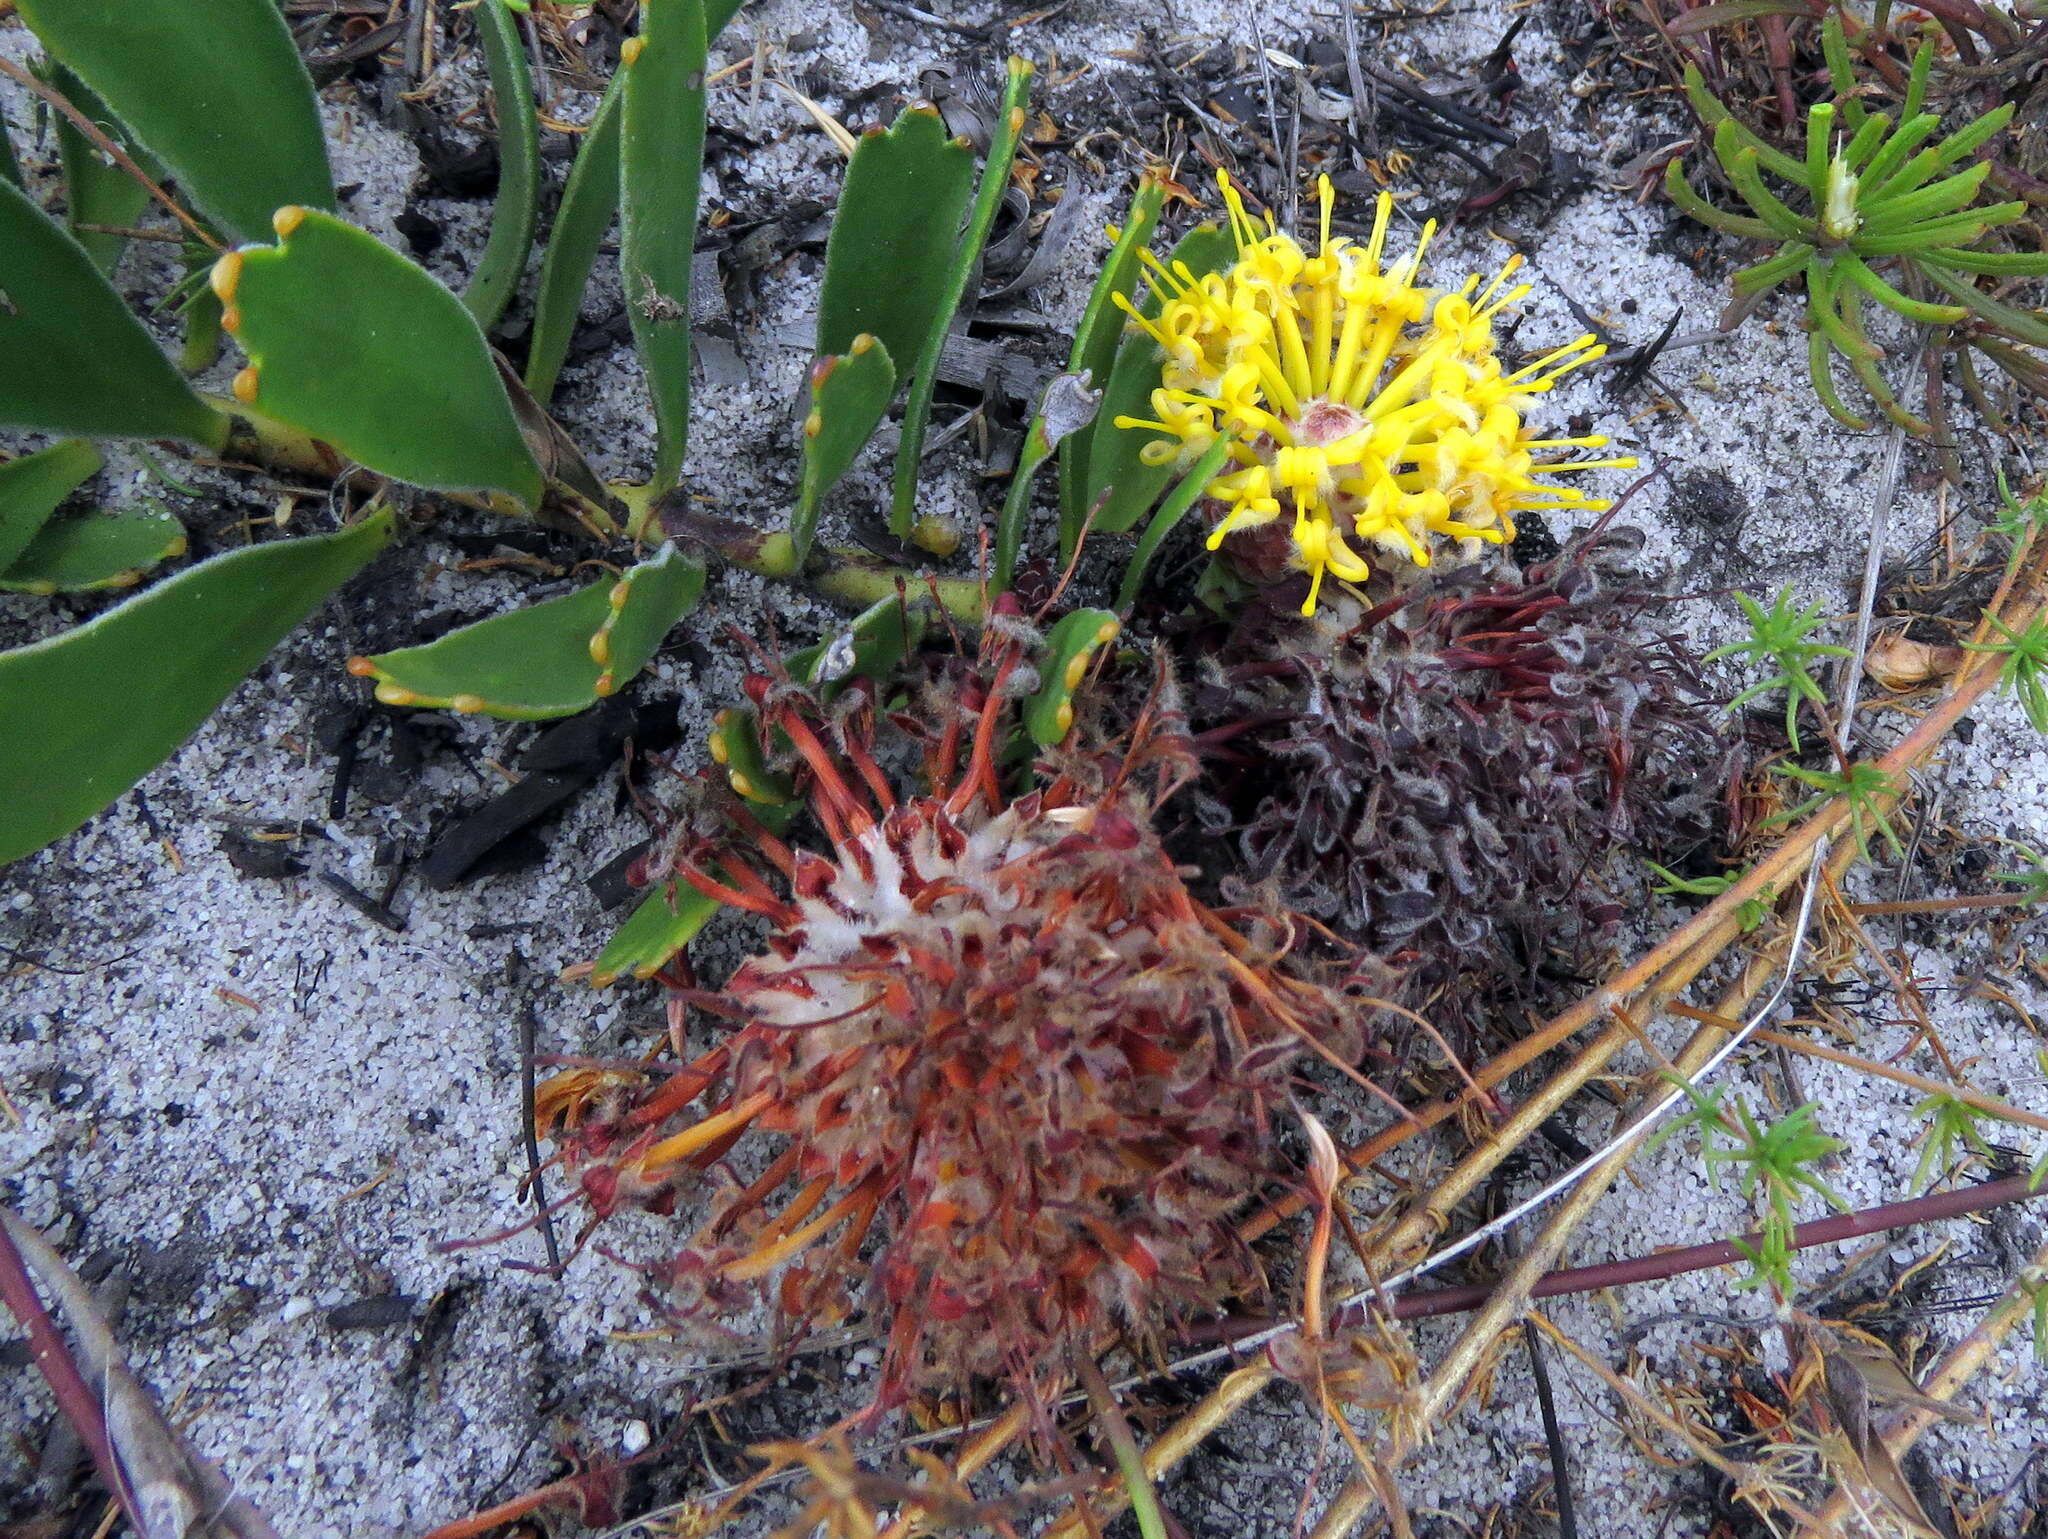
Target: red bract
x=1023, y=1079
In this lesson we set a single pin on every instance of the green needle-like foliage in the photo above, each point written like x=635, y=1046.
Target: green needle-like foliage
x=1864, y=787
x=1776, y=1162
x=2024, y=672
x=1867, y=193
x=1777, y=638
x=2034, y=880
x=1951, y=1133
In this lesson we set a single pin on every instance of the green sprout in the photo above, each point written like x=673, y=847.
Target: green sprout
x=2024, y=673
x=1951, y=1134
x=1861, y=787
x=1777, y=638
x=2034, y=879
x=1865, y=194
x=1749, y=913
x=2022, y=522
x=1775, y=1161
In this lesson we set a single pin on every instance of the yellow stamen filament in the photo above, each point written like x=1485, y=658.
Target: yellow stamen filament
x=1368, y=410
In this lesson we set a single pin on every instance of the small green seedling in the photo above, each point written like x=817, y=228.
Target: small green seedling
x=2034, y=879
x=1776, y=1162
x=1749, y=913
x=1864, y=787
x=1951, y=1135
x=1777, y=639
x=2024, y=671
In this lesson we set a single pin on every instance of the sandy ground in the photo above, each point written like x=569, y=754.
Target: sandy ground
x=260, y=1107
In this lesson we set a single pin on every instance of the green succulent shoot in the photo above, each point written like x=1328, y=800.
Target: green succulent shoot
x=1867, y=194
x=1777, y=638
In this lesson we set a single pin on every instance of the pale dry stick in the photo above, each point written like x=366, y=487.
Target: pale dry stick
x=1957, y=1367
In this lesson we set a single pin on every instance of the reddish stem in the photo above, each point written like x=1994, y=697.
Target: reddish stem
x=1697, y=1258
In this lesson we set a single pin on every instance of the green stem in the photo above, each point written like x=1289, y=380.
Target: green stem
x=857, y=579
x=1130, y=1462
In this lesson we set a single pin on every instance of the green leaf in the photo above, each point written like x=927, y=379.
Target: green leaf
x=76, y=360
x=10, y=168
x=893, y=238
x=717, y=13
x=1095, y=339
x=590, y=201
x=736, y=748
x=513, y=212
x=849, y=393
x=1069, y=646
x=666, y=921
x=550, y=659
x=870, y=646
x=96, y=191
x=32, y=488
x=95, y=550
x=352, y=343
x=1119, y=481
x=995, y=181
x=1066, y=408
x=661, y=160
x=217, y=94
x=1167, y=519
x=88, y=713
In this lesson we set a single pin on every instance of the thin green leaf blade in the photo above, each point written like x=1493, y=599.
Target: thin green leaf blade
x=666, y=921
x=88, y=713
x=1117, y=478
x=546, y=660
x=352, y=343
x=661, y=161
x=517, y=205
x=1167, y=519
x=870, y=646
x=590, y=202
x=34, y=486
x=849, y=393
x=995, y=181
x=95, y=550
x=1069, y=647
x=219, y=96
x=1095, y=340
x=894, y=235
x=76, y=360
x=95, y=191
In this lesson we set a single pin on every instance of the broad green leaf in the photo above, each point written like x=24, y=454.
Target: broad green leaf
x=216, y=92
x=95, y=550
x=988, y=198
x=517, y=205
x=96, y=191
x=75, y=359
x=1095, y=340
x=550, y=659
x=1167, y=519
x=849, y=393
x=717, y=13
x=85, y=715
x=894, y=236
x=1114, y=469
x=666, y=921
x=352, y=343
x=661, y=162
x=32, y=487
x=590, y=201
x=1069, y=646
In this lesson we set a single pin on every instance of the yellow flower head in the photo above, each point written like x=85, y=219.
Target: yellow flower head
x=1372, y=412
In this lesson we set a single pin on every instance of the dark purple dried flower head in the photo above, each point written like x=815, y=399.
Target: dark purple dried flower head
x=1443, y=776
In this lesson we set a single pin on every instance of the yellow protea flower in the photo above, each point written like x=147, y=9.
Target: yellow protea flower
x=1371, y=411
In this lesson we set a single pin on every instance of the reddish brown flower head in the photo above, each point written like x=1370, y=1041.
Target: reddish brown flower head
x=1024, y=1080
